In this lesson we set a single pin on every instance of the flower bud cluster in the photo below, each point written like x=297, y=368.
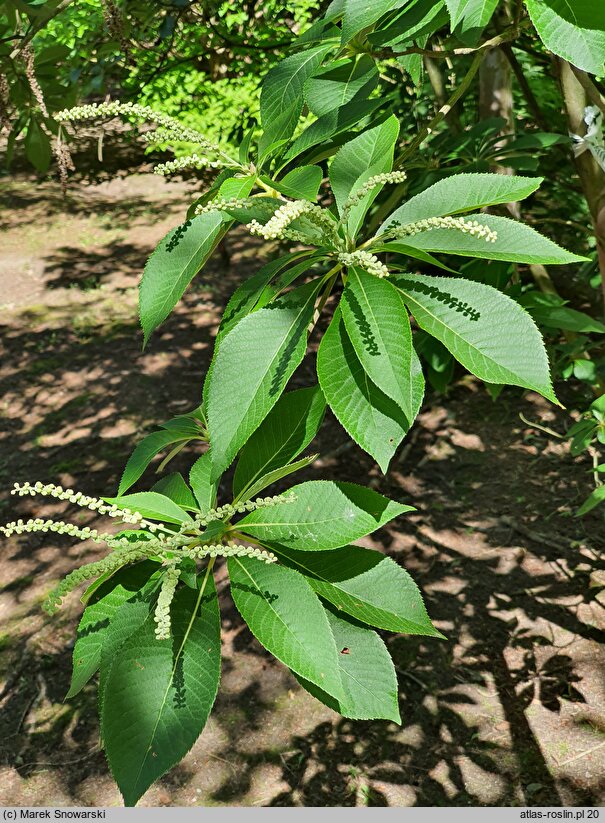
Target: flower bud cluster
x=277, y=227
x=57, y=526
x=165, y=598
x=177, y=134
x=472, y=227
x=92, y=503
x=366, y=261
x=281, y=219
x=113, y=108
x=192, y=161
x=371, y=183
x=229, y=550
x=110, y=563
x=163, y=544
x=224, y=205
x=227, y=511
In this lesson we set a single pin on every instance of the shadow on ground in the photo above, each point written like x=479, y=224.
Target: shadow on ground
x=509, y=711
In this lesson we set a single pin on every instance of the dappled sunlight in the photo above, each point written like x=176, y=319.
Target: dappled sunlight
x=510, y=710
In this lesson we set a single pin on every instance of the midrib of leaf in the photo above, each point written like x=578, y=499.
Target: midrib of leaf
x=277, y=614
x=266, y=371
x=368, y=384
x=317, y=576
x=278, y=350
x=377, y=326
x=572, y=13
x=295, y=523
x=482, y=8
x=176, y=660
x=359, y=683
x=347, y=84
x=175, y=283
x=312, y=54
x=464, y=340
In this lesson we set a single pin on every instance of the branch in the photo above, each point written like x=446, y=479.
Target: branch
x=506, y=36
x=436, y=80
x=31, y=33
x=444, y=110
x=530, y=97
x=245, y=44
x=592, y=92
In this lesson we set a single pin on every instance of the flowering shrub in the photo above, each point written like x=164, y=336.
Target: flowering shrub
x=151, y=624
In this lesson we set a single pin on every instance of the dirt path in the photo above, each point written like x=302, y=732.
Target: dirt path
x=509, y=711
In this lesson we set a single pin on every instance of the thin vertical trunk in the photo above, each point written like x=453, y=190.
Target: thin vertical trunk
x=435, y=76
x=496, y=100
x=590, y=173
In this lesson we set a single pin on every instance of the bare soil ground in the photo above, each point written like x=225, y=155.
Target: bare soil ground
x=509, y=711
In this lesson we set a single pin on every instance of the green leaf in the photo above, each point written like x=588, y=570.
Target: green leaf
x=235, y=187
x=325, y=515
x=470, y=14
x=257, y=208
x=173, y=486
x=367, y=673
x=186, y=425
x=338, y=83
x=37, y=146
x=277, y=132
x=257, y=292
x=173, y=265
x=460, y=193
x=52, y=54
x=251, y=368
x=373, y=420
x=96, y=620
x=282, y=89
x=368, y=154
x=127, y=620
x=490, y=334
x=199, y=480
x=302, y=183
x=287, y=278
x=516, y=242
x=412, y=64
x=359, y=14
x=414, y=24
x=144, y=453
x=151, y=505
x=286, y=431
x=245, y=297
x=399, y=247
x=159, y=693
x=598, y=496
x=284, y=614
x=585, y=370
x=378, y=326
x=581, y=434
x=573, y=29
x=365, y=584
x=331, y=124
x=560, y=317
x=275, y=475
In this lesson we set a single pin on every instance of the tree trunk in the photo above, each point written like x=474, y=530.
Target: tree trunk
x=435, y=76
x=496, y=100
x=590, y=173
